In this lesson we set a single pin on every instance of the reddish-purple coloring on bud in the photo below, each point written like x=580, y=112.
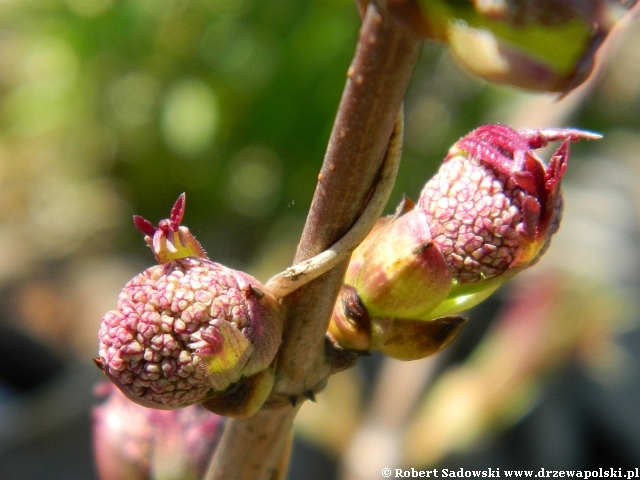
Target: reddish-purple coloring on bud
x=169, y=240
x=487, y=214
x=189, y=329
x=493, y=205
x=131, y=442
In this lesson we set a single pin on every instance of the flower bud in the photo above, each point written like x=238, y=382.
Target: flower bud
x=136, y=443
x=493, y=207
x=542, y=45
x=488, y=213
x=190, y=329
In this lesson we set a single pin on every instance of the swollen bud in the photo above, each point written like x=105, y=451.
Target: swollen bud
x=488, y=213
x=190, y=329
x=131, y=442
x=493, y=207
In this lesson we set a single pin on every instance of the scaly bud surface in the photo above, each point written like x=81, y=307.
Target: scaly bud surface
x=487, y=214
x=494, y=205
x=187, y=330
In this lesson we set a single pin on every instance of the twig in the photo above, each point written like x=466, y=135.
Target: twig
x=302, y=273
x=377, y=80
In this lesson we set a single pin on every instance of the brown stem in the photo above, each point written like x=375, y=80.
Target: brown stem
x=247, y=450
x=294, y=277
x=376, y=83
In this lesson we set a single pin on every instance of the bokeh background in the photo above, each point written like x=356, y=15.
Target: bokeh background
x=114, y=107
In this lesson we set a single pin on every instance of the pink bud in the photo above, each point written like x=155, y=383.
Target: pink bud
x=190, y=329
x=136, y=443
x=186, y=330
x=487, y=214
x=493, y=206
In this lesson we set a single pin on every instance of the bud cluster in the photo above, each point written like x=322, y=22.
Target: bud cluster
x=488, y=213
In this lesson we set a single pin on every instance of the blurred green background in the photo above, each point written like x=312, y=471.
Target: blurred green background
x=110, y=108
